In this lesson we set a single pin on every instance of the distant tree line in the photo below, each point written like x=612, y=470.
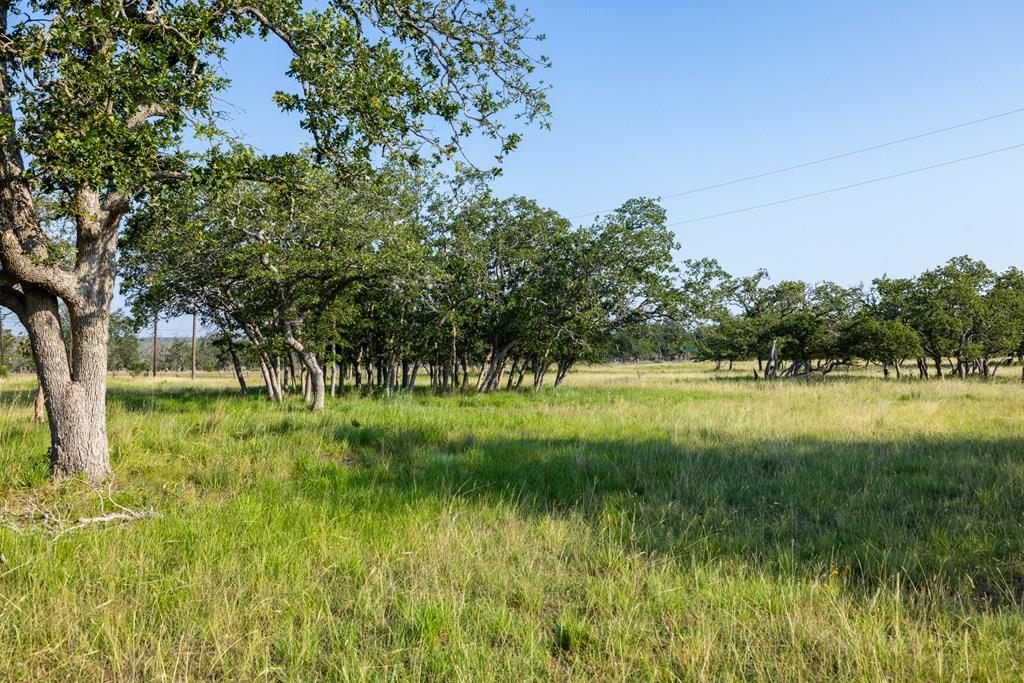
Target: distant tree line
x=961, y=320
x=322, y=289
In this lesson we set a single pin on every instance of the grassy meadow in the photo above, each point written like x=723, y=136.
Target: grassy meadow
x=645, y=522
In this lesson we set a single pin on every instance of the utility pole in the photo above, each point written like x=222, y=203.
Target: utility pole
x=153, y=364
x=193, y=345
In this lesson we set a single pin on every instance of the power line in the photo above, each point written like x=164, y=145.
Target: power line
x=847, y=187
x=823, y=160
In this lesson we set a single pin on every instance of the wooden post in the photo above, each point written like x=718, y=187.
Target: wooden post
x=153, y=362
x=193, y=346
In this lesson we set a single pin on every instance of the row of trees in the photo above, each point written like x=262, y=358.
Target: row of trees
x=379, y=283
x=104, y=104
x=960, y=319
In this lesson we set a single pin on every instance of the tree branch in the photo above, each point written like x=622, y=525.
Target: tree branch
x=145, y=113
x=12, y=299
x=22, y=268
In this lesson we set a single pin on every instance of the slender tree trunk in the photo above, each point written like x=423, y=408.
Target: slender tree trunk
x=317, y=388
x=772, y=366
x=39, y=409
x=265, y=372
x=293, y=378
x=237, y=364
x=483, y=370
x=412, y=376
x=334, y=372
x=563, y=370
x=497, y=367
x=512, y=373
x=267, y=382
x=540, y=372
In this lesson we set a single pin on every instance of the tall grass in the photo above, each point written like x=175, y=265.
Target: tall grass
x=659, y=522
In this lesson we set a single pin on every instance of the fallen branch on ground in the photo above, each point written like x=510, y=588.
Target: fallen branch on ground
x=49, y=523
x=129, y=516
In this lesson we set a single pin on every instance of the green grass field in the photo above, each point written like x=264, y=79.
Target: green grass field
x=654, y=522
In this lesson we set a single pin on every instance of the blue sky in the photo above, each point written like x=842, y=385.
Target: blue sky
x=652, y=98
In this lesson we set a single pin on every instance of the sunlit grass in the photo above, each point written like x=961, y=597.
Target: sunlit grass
x=645, y=522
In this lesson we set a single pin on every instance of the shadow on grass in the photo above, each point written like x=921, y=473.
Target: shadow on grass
x=134, y=400
x=941, y=516
x=19, y=397
x=143, y=399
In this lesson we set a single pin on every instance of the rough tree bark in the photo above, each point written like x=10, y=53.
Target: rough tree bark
x=74, y=384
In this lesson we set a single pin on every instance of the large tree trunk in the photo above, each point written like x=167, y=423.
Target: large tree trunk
x=75, y=396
